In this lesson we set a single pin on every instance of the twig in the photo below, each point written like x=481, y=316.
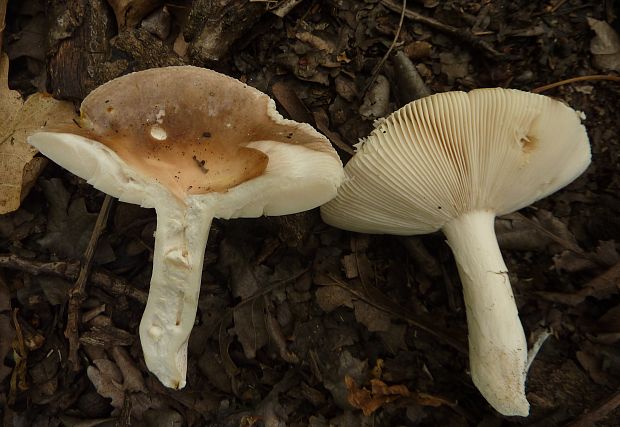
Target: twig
x=603, y=410
x=574, y=80
x=77, y=295
x=562, y=242
x=3, y=4
x=378, y=67
x=377, y=299
x=463, y=35
x=270, y=288
x=282, y=9
x=70, y=270
x=557, y=6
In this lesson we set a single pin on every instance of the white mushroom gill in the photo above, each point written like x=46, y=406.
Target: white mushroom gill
x=452, y=162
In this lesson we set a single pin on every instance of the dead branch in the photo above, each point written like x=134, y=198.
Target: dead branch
x=77, y=295
x=463, y=35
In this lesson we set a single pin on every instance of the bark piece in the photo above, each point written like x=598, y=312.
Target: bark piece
x=79, y=42
x=214, y=25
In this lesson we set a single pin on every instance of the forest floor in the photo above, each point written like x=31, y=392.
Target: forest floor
x=289, y=306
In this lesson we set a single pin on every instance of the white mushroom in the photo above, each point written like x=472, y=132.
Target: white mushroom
x=452, y=162
x=195, y=145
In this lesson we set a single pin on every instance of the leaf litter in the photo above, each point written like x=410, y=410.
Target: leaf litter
x=18, y=166
x=326, y=304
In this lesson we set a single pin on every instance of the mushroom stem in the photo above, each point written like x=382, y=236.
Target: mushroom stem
x=497, y=344
x=180, y=241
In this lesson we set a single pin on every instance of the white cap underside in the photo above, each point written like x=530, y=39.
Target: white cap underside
x=296, y=178
x=438, y=157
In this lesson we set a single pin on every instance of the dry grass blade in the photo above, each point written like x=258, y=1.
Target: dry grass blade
x=563, y=242
x=550, y=86
x=378, y=67
x=377, y=299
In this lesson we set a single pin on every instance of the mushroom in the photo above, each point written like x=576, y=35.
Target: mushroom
x=195, y=145
x=452, y=162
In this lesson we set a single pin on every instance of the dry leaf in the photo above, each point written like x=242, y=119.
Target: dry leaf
x=380, y=393
x=132, y=377
x=374, y=319
x=370, y=401
x=130, y=12
x=107, y=379
x=18, y=169
x=330, y=298
x=605, y=46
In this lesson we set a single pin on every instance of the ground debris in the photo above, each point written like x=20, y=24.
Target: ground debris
x=290, y=306
x=381, y=394
x=18, y=166
x=605, y=46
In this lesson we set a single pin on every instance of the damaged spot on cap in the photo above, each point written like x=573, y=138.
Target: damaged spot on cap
x=527, y=143
x=158, y=133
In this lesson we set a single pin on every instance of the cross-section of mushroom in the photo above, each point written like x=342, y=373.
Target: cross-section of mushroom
x=195, y=145
x=452, y=162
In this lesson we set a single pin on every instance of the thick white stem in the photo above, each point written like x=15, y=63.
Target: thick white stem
x=497, y=344
x=180, y=240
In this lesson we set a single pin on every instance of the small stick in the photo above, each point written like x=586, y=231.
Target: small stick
x=381, y=302
x=574, y=80
x=463, y=35
x=562, y=242
x=3, y=5
x=603, y=410
x=77, y=295
x=70, y=270
x=285, y=7
x=378, y=67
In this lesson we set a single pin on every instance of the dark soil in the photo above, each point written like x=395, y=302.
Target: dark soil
x=290, y=306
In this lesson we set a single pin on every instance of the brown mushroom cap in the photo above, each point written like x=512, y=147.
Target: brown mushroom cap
x=188, y=127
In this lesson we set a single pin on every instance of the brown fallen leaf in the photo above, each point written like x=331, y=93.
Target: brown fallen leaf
x=129, y=13
x=18, y=168
x=605, y=46
x=374, y=319
x=132, y=377
x=107, y=379
x=285, y=94
x=381, y=393
x=370, y=401
x=601, y=287
x=330, y=298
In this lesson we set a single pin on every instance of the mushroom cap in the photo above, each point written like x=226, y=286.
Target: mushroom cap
x=191, y=131
x=455, y=152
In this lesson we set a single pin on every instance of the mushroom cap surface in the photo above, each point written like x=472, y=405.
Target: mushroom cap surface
x=447, y=154
x=191, y=132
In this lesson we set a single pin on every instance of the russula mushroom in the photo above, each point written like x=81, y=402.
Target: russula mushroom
x=195, y=145
x=452, y=162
